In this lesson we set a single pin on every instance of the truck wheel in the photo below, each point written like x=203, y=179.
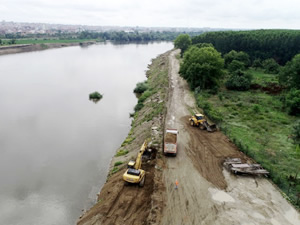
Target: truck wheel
x=142, y=182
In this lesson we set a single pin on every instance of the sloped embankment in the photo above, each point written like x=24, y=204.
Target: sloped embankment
x=120, y=204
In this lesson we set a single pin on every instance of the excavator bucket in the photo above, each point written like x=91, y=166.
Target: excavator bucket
x=210, y=128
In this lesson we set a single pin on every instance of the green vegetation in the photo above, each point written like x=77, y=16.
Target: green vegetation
x=141, y=87
x=95, y=95
x=202, y=67
x=114, y=170
x=79, y=37
x=118, y=163
x=281, y=45
x=183, y=42
x=239, y=80
x=121, y=152
x=127, y=141
x=150, y=103
x=257, y=107
x=290, y=73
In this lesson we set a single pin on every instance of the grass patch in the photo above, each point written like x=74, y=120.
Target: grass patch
x=118, y=163
x=121, y=153
x=261, y=78
x=258, y=125
x=127, y=141
x=114, y=170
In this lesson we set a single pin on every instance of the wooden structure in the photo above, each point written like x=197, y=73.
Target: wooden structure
x=236, y=166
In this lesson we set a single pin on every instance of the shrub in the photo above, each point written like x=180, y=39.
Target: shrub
x=239, y=81
x=144, y=96
x=122, y=152
x=296, y=132
x=270, y=66
x=236, y=65
x=293, y=102
x=141, y=87
x=96, y=95
x=138, y=107
x=256, y=63
x=118, y=163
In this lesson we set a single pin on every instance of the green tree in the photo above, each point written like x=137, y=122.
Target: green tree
x=239, y=81
x=296, y=134
x=256, y=64
x=293, y=102
x=202, y=45
x=236, y=65
x=202, y=67
x=183, y=42
x=290, y=73
x=270, y=66
x=12, y=42
x=238, y=56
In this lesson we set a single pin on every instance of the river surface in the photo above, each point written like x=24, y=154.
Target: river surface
x=55, y=144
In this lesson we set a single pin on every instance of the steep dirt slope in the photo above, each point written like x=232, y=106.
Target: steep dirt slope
x=132, y=205
x=206, y=193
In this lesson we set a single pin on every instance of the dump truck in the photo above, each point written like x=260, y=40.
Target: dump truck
x=199, y=120
x=170, y=142
x=134, y=173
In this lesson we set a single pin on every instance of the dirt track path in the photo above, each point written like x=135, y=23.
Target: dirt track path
x=207, y=194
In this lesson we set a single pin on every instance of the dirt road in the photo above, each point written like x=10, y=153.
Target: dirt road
x=206, y=193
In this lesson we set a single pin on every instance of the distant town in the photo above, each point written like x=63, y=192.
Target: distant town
x=25, y=29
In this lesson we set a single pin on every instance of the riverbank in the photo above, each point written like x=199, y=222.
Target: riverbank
x=119, y=204
x=19, y=48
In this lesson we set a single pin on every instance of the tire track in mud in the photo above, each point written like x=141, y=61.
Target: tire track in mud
x=208, y=151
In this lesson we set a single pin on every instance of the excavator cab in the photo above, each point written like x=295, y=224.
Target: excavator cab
x=134, y=173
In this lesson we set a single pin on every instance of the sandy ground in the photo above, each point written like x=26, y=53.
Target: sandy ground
x=207, y=194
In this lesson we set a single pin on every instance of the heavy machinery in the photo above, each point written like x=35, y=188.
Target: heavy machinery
x=134, y=174
x=170, y=142
x=200, y=121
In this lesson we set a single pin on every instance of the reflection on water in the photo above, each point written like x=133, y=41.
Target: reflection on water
x=55, y=145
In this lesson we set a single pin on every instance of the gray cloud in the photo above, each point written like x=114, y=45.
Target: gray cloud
x=183, y=13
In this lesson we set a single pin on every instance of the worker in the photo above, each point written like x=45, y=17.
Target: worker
x=176, y=184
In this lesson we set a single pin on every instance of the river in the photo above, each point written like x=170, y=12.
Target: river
x=55, y=144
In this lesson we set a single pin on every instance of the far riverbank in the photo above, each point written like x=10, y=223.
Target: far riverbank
x=12, y=49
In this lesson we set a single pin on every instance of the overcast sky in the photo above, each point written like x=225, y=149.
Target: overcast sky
x=157, y=13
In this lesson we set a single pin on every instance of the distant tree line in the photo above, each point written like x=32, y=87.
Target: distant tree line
x=281, y=45
x=123, y=36
x=119, y=36
x=202, y=64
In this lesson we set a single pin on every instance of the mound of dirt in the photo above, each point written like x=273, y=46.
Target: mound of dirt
x=170, y=138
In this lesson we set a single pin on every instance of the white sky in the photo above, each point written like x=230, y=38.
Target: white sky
x=157, y=13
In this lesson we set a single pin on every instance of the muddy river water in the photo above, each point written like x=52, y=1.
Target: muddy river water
x=55, y=144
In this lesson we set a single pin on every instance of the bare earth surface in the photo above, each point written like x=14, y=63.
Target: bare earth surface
x=206, y=193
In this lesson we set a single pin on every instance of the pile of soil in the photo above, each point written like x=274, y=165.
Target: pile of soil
x=271, y=88
x=170, y=138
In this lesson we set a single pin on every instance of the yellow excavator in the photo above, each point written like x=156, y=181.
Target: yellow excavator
x=200, y=121
x=134, y=174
